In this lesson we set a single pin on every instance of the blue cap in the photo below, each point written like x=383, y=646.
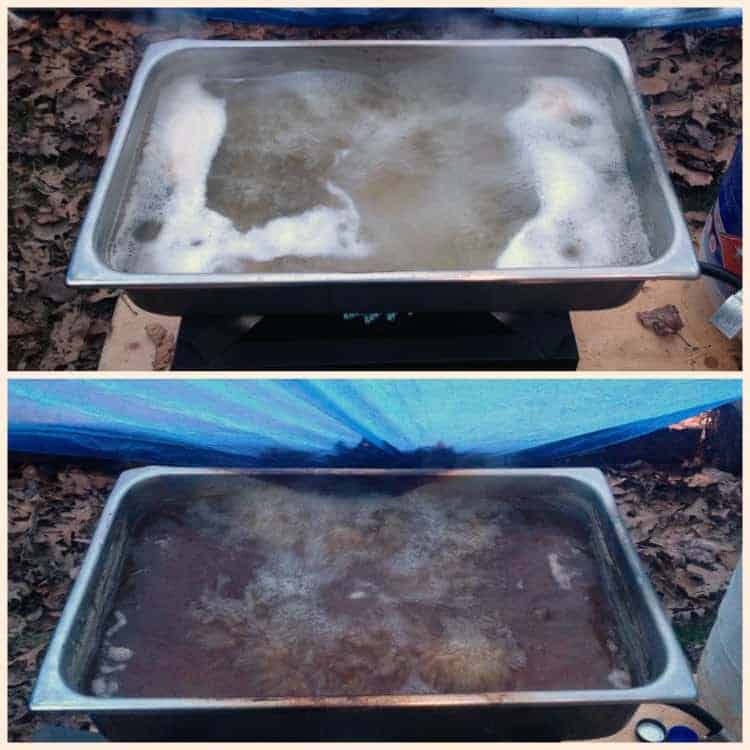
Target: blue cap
x=681, y=734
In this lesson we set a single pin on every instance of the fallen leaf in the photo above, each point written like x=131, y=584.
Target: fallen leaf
x=703, y=137
x=48, y=144
x=671, y=105
x=663, y=321
x=693, y=177
x=51, y=87
x=103, y=294
x=55, y=289
x=75, y=482
x=68, y=339
x=30, y=657
x=20, y=527
x=80, y=111
x=35, y=615
x=49, y=232
x=17, y=590
x=709, y=476
x=19, y=328
x=652, y=85
x=654, y=39
x=164, y=343
x=52, y=176
x=697, y=509
x=15, y=66
x=16, y=677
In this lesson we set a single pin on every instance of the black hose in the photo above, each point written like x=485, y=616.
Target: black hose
x=712, y=724
x=721, y=274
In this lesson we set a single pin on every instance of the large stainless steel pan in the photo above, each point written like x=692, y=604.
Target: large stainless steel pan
x=601, y=62
x=658, y=666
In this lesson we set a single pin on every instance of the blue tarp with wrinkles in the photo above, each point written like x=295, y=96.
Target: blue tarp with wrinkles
x=630, y=18
x=627, y=18
x=308, y=422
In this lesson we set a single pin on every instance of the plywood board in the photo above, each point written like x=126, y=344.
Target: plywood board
x=607, y=340
x=615, y=339
x=129, y=345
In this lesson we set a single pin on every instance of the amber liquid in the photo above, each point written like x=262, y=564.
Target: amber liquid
x=280, y=591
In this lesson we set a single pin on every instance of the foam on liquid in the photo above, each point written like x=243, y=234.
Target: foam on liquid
x=420, y=168
x=281, y=591
x=589, y=213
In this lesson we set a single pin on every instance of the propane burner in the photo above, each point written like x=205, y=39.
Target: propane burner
x=378, y=341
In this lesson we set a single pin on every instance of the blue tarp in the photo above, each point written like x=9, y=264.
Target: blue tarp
x=580, y=17
x=317, y=17
x=627, y=18
x=307, y=422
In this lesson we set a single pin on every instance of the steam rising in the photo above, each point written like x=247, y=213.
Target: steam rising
x=274, y=591
x=418, y=167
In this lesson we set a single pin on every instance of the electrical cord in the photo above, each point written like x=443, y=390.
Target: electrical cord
x=720, y=274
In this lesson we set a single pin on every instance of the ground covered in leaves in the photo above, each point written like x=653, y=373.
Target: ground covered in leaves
x=69, y=75
x=685, y=521
x=52, y=512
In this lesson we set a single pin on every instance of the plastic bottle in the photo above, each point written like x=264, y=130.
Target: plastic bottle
x=720, y=669
x=722, y=234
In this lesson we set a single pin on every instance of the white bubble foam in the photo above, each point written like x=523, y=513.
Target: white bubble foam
x=619, y=678
x=413, y=170
x=588, y=211
x=103, y=687
x=169, y=192
x=410, y=579
x=120, y=622
x=119, y=653
x=562, y=574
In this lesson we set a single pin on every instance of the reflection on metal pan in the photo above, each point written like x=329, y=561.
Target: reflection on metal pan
x=435, y=262
x=657, y=664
